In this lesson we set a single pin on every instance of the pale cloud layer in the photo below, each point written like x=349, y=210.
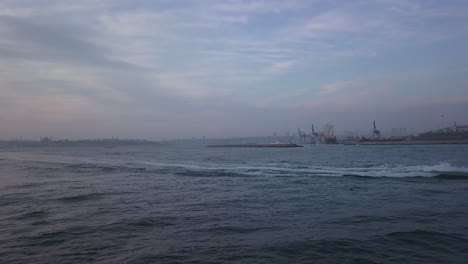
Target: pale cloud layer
x=168, y=69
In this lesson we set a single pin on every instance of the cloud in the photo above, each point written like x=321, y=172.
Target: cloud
x=239, y=6
x=335, y=87
x=162, y=61
x=32, y=40
x=280, y=67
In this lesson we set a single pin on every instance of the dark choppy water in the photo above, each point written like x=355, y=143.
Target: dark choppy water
x=190, y=204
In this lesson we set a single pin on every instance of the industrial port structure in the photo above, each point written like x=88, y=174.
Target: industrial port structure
x=450, y=135
x=327, y=136
x=454, y=134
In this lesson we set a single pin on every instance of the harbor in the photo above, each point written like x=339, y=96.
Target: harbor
x=454, y=134
x=254, y=145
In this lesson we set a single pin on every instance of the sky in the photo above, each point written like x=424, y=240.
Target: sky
x=180, y=69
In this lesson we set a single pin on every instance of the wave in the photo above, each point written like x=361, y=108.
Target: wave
x=439, y=171
x=453, y=176
x=415, y=236
x=84, y=167
x=210, y=167
x=81, y=197
x=142, y=223
x=32, y=215
x=414, y=246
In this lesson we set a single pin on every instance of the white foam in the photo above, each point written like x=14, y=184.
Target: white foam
x=273, y=169
x=387, y=170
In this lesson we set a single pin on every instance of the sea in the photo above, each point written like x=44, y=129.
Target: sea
x=185, y=203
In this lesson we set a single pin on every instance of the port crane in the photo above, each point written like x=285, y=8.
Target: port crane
x=308, y=138
x=375, y=133
x=313, y=136
x=302, y=136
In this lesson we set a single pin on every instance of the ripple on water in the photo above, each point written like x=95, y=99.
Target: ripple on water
x=427, y=238
x=415, y=246
x=223, y=230
x=32, y=215
x=140, y=224
x=82, y=197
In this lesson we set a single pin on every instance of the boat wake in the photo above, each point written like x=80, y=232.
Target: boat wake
x=443, y=170
x=222, y=168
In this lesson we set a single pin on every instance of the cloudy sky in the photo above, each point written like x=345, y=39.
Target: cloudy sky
x=182, y=69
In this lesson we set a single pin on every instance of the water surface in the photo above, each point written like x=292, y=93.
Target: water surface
x=190, y=204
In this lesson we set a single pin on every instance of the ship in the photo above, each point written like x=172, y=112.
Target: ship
x=328, y=135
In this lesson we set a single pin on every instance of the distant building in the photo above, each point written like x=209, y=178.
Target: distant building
x=461, y=128
x=456, y=128
x=348, y=134
x=46, y=140
x=398, y=132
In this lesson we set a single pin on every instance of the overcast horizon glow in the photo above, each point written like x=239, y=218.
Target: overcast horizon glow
x=182, y=69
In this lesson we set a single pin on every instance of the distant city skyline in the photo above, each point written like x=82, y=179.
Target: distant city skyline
x=181, y=69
